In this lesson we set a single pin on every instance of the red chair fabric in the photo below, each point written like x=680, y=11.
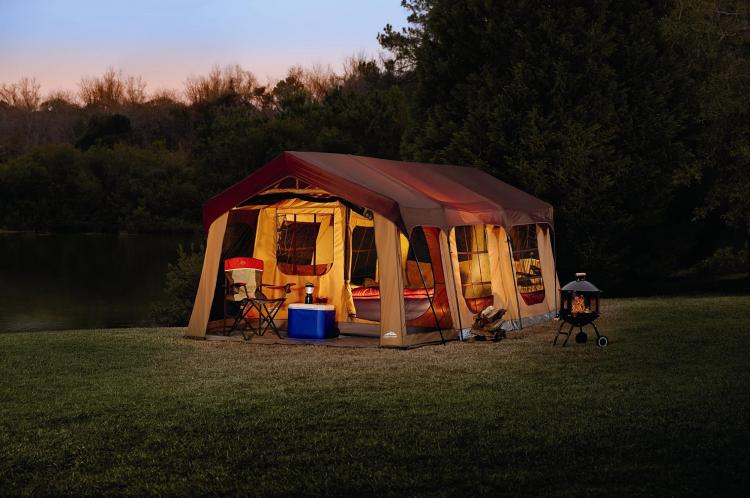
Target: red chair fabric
x=243, y=263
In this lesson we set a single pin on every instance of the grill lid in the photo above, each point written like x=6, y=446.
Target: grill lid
x=580, y=284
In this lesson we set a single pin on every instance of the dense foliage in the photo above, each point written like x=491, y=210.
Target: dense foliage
x=631, y=118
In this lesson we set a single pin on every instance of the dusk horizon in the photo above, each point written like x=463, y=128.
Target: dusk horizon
x=169, y=42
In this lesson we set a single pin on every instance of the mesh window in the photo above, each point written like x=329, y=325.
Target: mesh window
x=298, y=244
x=364, y=255
x=239, y=240
x=473, y=265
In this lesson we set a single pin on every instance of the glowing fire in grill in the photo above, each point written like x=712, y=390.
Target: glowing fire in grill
x=579, y=305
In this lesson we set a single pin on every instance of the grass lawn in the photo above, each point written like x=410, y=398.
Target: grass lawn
x=664, y=410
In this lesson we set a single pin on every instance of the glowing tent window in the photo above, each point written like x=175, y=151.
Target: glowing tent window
x=526, y=263
x=474, y=266
x=364, y=256
x=299, y=245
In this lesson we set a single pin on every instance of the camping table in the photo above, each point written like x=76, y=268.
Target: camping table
x=267, y=309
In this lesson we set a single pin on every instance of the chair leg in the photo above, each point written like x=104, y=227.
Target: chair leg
x=248, y=325
x=272, y=315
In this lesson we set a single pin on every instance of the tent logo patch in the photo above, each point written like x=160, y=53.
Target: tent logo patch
x=390, y=334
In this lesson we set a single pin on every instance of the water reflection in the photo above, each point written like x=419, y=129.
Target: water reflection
x=66, y=281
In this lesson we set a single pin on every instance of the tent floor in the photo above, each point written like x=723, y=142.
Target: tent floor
x=342, y=341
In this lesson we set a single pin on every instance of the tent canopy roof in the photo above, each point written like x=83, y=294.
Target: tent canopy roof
x=409, y=194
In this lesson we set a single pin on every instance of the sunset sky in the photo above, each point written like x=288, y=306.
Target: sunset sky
x=165, y=41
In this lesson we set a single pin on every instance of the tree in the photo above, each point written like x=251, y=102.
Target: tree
x=111, y=90
x=104, y=130
x=581, y=104
x=404, y=44
x=712, y=38
x=232, y=84
x=24, y=94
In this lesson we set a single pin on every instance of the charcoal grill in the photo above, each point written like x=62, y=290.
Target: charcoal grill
x=579, y=306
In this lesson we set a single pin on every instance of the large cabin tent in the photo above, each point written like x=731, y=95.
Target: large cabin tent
x=408, y=252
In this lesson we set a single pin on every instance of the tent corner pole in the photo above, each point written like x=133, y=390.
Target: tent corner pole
x=455, y=290
x=554, y=257
x=515, y=280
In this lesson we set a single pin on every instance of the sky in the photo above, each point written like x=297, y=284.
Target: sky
x=166, y=41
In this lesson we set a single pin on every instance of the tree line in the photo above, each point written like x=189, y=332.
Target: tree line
x=631, y=118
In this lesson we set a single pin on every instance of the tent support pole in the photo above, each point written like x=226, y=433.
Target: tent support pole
x=554, y=256
x=515, y=280
x=455, y=290
x=424, y=284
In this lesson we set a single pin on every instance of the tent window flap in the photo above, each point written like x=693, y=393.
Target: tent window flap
x=527, y=265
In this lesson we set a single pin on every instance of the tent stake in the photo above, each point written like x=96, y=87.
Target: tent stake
x=424, y=284
x=515, y=280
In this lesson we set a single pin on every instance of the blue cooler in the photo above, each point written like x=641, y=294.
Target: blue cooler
x=311, y=321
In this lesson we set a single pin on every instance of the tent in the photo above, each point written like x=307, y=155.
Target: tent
x=407, y=252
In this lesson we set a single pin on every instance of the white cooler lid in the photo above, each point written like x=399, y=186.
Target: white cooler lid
x=303, y=306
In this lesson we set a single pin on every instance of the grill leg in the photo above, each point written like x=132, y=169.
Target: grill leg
x=570, y=332
x=596, y=330
x=559, y=331
x=566, y=334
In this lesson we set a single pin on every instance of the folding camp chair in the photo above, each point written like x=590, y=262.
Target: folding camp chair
x=239, y=275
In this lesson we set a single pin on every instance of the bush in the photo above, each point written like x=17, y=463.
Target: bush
x=180, y=287
x=724, y=261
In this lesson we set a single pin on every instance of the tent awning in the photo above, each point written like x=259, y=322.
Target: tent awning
x=409, y=194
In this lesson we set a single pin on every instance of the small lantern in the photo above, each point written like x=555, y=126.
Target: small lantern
x=309, y=287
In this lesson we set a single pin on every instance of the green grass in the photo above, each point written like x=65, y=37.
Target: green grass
x=664, y=410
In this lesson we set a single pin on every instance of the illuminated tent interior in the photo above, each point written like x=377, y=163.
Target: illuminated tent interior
x=406, y=252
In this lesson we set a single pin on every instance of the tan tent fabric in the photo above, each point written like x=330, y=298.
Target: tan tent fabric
x=500, y=269
x=454, y=296
x=466, y=315
x=547, y=255
x=209, y=273
x=504, y=277
x=392, y=315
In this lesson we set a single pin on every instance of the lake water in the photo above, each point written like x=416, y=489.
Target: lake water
x=71, y=281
